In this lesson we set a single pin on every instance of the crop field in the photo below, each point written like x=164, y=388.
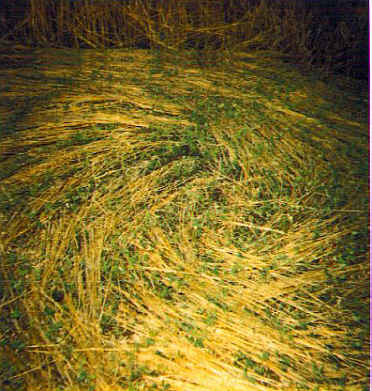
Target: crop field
x=172, y=226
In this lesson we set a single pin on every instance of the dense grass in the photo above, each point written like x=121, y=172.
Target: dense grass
x=327, y=35
x=171, y=227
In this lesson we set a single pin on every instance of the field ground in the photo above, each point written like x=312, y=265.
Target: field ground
x=167, y=226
